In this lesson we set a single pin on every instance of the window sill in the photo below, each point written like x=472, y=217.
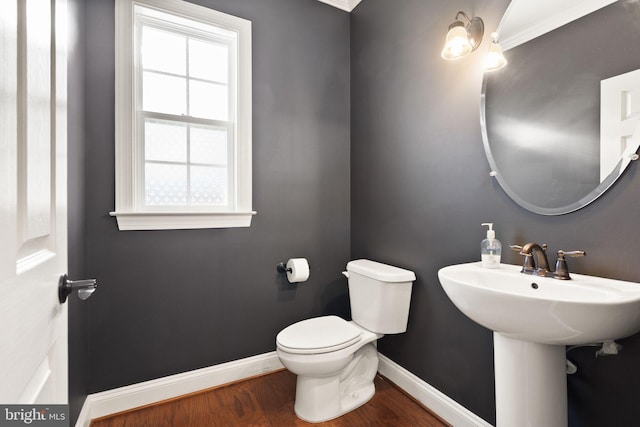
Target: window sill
x=181, y=220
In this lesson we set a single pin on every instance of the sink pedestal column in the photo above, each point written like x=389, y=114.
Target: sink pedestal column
x=531, y=383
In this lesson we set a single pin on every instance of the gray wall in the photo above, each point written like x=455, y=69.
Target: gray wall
x=420, y=188
x=172, y=301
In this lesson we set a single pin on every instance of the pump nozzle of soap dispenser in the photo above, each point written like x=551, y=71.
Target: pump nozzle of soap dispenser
x=491, y=233
x=490, y=248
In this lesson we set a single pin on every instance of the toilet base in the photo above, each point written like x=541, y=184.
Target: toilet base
x=321, y=399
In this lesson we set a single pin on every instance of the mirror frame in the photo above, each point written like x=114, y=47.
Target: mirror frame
x=590, y=197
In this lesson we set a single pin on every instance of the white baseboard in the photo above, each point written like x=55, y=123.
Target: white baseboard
x=124, y=398
x=438, y=402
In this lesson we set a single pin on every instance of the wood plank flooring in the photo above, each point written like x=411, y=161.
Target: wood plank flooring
x=267, y=401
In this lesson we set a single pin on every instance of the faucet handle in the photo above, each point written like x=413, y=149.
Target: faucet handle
x=572, y=254
x=528, y=265
x=518, y=248
x=562, y=270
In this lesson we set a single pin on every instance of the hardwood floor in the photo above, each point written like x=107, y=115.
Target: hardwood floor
x=267, y=401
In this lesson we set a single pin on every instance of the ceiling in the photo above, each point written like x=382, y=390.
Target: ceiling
x=527, y=19
x=530, y=19
x=347, y=5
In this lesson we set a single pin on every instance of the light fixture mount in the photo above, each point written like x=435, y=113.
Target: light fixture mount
x=475, y=29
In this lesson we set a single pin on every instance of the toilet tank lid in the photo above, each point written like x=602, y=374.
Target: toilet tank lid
x=380, y=271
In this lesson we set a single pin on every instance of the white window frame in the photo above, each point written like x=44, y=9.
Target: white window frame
x=130, y=215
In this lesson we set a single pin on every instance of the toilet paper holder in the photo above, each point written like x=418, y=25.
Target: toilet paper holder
x=296, y=269
x=282, y=268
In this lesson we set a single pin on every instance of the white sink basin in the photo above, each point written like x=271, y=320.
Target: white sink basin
x=533, y=318
x=544, y=310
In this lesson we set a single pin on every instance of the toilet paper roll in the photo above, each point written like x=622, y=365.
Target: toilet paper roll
x=299, y=270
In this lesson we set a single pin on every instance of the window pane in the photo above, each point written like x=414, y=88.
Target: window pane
x=208, y=145
x=208, y=100
x=164, y=94
x=208, y=185
x=208, y=61
x=165, y=185
x=165, y=141
x=164, y=51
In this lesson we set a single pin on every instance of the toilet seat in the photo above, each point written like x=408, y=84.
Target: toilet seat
x=318, y=335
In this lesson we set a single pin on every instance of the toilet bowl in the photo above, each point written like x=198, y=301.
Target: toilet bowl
x=333, y=377
x=336, y=360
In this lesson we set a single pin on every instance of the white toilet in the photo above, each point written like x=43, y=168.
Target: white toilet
x=335, y=360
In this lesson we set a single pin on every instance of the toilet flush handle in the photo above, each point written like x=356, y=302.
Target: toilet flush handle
x=345, y=274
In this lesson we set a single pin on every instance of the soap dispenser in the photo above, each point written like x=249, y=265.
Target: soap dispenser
x=490, y=248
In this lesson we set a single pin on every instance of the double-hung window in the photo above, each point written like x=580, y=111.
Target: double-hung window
x=183, y=116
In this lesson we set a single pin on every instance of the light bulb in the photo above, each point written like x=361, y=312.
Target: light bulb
x=457, y=42
x=495, y=58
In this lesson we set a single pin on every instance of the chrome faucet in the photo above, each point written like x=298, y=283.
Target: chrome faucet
x=537, y=264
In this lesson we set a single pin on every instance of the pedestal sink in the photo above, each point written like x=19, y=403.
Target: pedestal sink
x=533, y=319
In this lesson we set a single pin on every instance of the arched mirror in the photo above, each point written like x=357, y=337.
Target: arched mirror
x=561, y=122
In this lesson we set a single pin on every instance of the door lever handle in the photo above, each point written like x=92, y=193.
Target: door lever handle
x=84, y=288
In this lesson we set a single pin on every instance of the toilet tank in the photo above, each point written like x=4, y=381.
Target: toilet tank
x=380, y=295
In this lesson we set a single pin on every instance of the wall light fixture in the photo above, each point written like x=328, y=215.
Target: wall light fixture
x=495, y=59
x=463, y=39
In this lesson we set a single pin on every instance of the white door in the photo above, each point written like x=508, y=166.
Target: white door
x=33, y=230
x=619, y=122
